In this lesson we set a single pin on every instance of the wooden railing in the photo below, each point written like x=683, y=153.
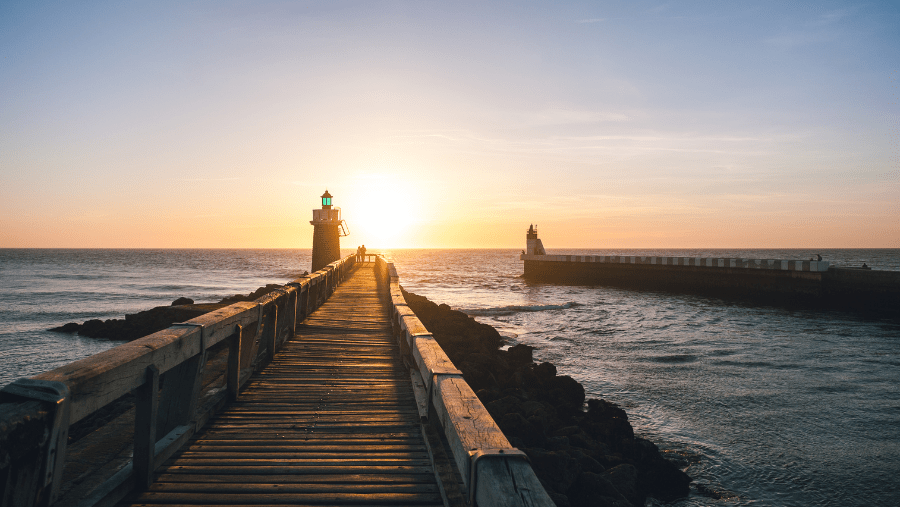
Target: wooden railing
x=36, y=413
x=493, y=471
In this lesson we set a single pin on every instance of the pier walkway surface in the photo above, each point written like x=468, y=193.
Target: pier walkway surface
x=332, y=420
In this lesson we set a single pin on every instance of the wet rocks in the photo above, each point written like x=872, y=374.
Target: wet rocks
x=582, y=457
x=134, y=326
x=262, y=291
x=140, y=324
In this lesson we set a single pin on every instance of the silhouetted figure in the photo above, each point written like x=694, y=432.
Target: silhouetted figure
x=362, y=250
x=818, y=257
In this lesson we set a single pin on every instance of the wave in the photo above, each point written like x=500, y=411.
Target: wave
x=513, y=309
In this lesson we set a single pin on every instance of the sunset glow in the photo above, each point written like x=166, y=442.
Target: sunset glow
x=642, y=124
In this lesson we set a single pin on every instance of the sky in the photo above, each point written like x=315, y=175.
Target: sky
x=633, y=124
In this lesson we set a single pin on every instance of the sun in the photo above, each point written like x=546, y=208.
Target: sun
x=379, y=211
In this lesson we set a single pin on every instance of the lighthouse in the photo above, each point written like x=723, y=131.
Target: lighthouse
x=533, y=245
x=327, y=231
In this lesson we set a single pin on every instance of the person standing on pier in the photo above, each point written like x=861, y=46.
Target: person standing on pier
x=362, y=250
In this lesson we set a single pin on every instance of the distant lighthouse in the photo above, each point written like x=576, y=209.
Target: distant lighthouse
x=327, y=232
x=533, y=245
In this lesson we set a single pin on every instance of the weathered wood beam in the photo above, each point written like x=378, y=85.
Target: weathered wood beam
x=145, y=419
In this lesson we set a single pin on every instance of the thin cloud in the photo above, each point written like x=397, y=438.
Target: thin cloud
x=831, y=17
x=560, y=116
x=590, y=20
x=209, y=179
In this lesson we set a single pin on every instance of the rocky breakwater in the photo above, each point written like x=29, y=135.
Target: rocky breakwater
x=585, y=454
x=140, y=324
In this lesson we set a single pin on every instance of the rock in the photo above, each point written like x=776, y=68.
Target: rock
x=503, y=406
x=658, y=476
x=595, y=490
x=516, y=425
x=566, y=431
x=156, y=319
x=477, y=376
x=520, y=355
x=624, y=477
x=557, y=443
x=71, y=327
x=487, y=395
x=557, y=469
x=567, y=392
x=609, y=424
x=545, y=371
x=262, y=291
x=588, y=464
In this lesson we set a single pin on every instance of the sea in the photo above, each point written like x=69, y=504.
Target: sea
x=763, y=405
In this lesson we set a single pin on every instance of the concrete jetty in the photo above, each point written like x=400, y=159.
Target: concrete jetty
x=812, y=282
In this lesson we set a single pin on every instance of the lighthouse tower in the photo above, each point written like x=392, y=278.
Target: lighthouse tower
x=533, y=245
x=328, y=229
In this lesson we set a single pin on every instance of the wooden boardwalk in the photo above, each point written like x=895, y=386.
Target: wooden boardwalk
x=331, y=421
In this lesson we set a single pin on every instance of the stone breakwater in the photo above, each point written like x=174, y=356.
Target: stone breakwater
x=140, y=324
x=582, y=457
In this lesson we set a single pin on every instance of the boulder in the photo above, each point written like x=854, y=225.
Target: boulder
x=595, y=490
x=515, y=425
x=71, y=327
x=182, y=301
x=624, y=477
x=557, y=469
x=658, y=476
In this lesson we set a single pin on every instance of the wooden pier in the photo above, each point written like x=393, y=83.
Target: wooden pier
x=331, y=393
x=332, y=419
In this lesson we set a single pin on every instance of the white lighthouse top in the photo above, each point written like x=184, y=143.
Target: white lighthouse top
x=328, y=214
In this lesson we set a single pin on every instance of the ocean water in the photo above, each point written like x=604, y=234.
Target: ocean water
x=763, y=405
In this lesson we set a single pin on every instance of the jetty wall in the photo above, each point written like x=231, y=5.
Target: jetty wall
x=771, y=279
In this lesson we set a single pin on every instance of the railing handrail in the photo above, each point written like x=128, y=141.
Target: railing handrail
x=31, y=410
x=493, y=471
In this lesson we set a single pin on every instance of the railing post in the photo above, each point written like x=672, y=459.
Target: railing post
x=146, y=408
x=181, y=389
x=271, y=332
x=233, y=374
x=38, y=481
x=303, y=303
x=292, y=312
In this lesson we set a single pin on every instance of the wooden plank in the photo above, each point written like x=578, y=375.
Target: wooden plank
x=430, y=360
x=467, y=424
x=410, y=478
x=284, y=488
x=299, y=469
x=509, y=483
x=289, y=498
